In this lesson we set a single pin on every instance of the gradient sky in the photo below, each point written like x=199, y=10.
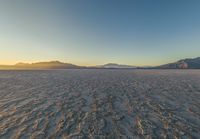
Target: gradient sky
x=94, y=32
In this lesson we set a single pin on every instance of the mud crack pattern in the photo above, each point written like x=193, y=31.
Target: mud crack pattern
x=100, y=104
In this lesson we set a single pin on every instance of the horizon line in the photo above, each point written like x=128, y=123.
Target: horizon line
x=91, y=65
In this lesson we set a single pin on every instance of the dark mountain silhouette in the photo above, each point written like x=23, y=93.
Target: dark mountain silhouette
x=116, y=66
x=42, y=65
x=189, y=63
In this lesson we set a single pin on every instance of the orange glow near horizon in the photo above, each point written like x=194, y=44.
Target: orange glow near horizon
x=80, y=63
x=41, y=31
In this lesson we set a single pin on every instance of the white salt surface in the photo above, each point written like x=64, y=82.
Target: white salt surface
x=100, y=104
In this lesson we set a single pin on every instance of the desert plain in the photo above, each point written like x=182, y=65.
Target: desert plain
x=100, y=104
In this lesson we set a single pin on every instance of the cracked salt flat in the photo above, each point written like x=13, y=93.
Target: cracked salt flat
x=100, y=104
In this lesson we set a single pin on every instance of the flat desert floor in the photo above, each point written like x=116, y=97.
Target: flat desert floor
x=100, y=104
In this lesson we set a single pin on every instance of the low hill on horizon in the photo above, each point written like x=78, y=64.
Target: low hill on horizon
x=189, y=63
x=42, y=65
x=116, y=66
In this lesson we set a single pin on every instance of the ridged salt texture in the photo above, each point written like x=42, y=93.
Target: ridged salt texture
x=100, y=104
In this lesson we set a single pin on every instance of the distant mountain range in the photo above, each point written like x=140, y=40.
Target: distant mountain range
x=116, y=66
x=192, y=63
x=189, y=63
x=42, y=65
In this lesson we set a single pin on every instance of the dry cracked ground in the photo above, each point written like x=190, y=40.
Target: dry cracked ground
x=100, y=104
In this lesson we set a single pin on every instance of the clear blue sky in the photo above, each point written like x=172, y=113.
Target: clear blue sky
x=93, y=32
